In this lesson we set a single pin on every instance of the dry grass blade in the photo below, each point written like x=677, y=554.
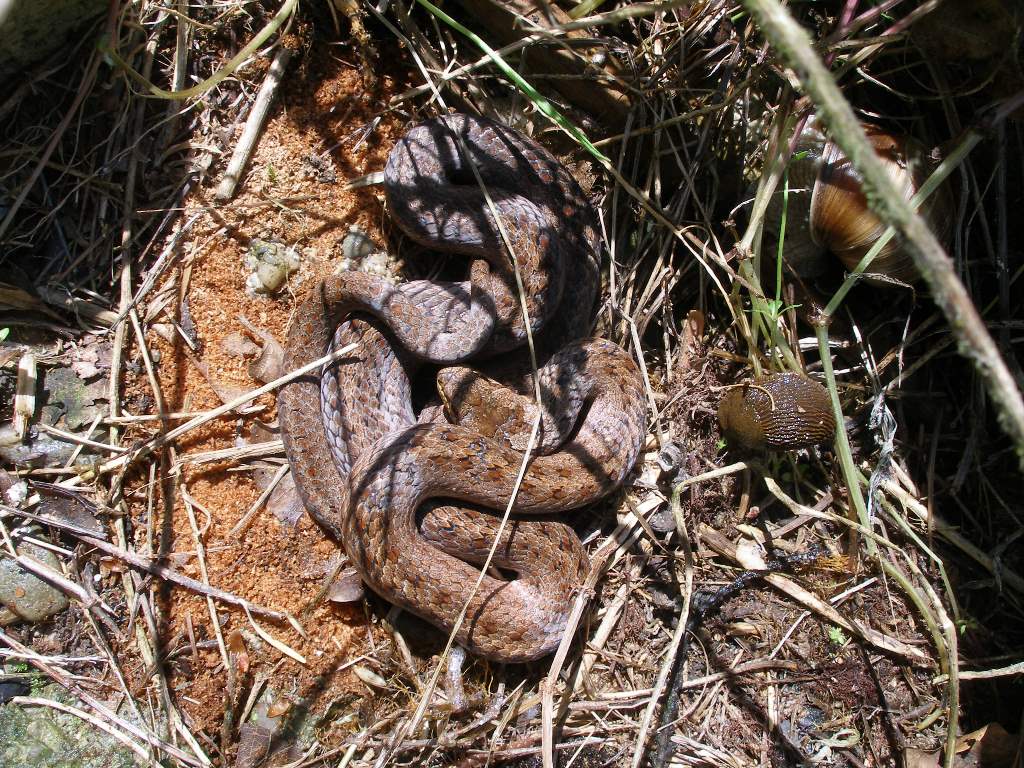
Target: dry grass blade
x=164, y=438
x=973, y=339
x=116, y=733
x=859, y=602
x=164, y=572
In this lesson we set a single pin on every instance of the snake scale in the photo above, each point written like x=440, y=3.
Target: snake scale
x=416, y=499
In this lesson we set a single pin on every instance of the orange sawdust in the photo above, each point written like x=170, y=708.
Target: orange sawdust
x=323, y=105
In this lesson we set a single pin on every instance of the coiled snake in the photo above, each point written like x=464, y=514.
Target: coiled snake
x=381, y=479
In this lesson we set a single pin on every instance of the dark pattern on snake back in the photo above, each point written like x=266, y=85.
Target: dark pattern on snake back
x=383, y=481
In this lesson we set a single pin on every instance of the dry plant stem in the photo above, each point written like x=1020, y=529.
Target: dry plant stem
x=164, y=438
x=731, y=469
x=739, y=90
x=156, y=270
x=68, y=683
x=164, y=572
x=84, y=89
x=253, y=125
x=52, y=577
x=808, y=599
x=769, y=181
x=987, y=674
x=145, y=644
x=181, y=48
x=134, y=746
x=943, y=636
x=112, y=660
x=904, y=525
x=173, y=416
x=65, y=525
x=236, y=455
x=942, y=630
x=682, y=627
x=257, y=505
x=228, y=69
x=81, y=441
x=948, y=532
x=890, y=35
x=273, y=641
x=612, y=612
x=200, y=552
x=945, y=639
x=80, y=308
x=749, y=248
x=617, y=16
x=973, y=340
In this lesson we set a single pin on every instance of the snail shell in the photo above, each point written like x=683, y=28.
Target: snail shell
x=828, y=210
x=783, y=411
x=842, y=222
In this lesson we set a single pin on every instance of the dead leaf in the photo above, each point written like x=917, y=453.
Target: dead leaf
x=226, y=392
x=238, y=345
x=254, y=743
x=237, y=649
x=165, y=331
x=81, y=401
x=261, y=433
x=347, y=588
x=693, y=331
x=369, y=677
x=270, y=364
x=91, y=358
x=921, y=758
x=991, y=746
x=85, y=369
x=187, y=324
x=284, y=503
x=109, y=566
x=69, y=507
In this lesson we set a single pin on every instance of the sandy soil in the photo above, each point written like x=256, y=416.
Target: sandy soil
x=325, y=110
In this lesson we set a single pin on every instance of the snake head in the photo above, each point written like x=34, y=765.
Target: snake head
x=485, y=406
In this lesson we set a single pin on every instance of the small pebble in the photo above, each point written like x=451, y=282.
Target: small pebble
x=357, y=245
x=17, y=493
x=25, y=596
x=269, y=264
x=360, y=253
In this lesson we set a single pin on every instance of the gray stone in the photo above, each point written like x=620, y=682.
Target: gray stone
x=43, y=737
x=27, y=597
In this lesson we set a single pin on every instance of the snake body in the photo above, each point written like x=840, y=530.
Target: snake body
x=382, y=479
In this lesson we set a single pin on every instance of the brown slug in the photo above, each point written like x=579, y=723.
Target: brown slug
x=827, y=209
x=783, y=411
